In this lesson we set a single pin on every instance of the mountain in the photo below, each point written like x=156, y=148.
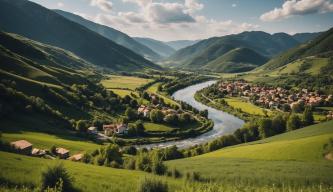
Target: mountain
x=322, y=45
x=41, y=24
x=237, y=60
x=114, y=35
x=158, y=46
x=304, y=37
x=180, y=44
x=206, y=51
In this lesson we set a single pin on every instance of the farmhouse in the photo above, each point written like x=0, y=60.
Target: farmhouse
x=62, y=153
x=144, y=110
x=115, y=128
x=22, y=146
x=76, y=157
x=38, y=152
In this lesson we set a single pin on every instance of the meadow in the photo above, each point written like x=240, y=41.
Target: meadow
x=245, y=106
x=295, y=158
x=124, y=82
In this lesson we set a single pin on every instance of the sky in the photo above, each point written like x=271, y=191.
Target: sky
x=169, y=20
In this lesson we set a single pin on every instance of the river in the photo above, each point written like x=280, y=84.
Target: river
x=224, y=123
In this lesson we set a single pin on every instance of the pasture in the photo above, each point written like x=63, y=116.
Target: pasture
x=124, y=82
x=245, y=106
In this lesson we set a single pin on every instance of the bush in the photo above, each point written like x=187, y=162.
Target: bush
x=152, y=185
x=193, y=176
x=53, y=175
x=174, y=173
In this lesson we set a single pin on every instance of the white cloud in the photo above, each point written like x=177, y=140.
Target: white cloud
x=60, y=4
x=234, y=5
x=104, y=5
x=298, y=7
x=168, y=13
x=193, y=5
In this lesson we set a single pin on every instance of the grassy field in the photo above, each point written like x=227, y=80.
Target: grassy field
x=123, y=93
x=153, y=89
x=292, y=158
x=153, y=127
x=124, y=82
x=23, y=170
x=245, y=106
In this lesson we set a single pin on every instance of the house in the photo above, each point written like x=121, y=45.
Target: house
x=22, y=146
x=62, y=153
x=144, y=110
x=115, y=128
x=92, y=130
x=76, y=157
x=38, y=152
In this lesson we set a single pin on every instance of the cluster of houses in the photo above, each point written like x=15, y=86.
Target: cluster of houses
x=271, y=97
x=145, y=110
x=26, y=148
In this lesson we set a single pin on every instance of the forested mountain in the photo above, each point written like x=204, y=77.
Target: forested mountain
x=114, y=35
x=304, y=37
x=158, y=46
x=206, y=51
x=41, y=24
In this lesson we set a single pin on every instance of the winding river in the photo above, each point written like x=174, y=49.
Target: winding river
x=224, y=123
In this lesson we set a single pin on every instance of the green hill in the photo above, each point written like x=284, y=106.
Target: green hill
x=180, y=44
x=203, y=52
x=295, y=157
x=158, y=46
x=322, y=45
x=39, y=79
x=114, y=35
x=304, y=37
x=237, y=60
x=38, y=23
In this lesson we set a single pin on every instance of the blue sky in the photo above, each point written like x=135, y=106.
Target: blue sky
x=199, y=19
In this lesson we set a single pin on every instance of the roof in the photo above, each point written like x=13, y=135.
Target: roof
x=76, y=157
x=92, y=128
x=21, y=144
x=62, y=150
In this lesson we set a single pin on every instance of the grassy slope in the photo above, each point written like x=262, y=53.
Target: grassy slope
x=20, y=169
x=124, y=82
x=246, y=107
x=293, y=157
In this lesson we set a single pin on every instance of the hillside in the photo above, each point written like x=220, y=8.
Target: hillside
x=323, y=45
x=304, y=37
x=39, y=79
x=158, y=46
x=113, y=34
x=203, y=52
x=237, y=60
x=38, y=23
x=291, y=157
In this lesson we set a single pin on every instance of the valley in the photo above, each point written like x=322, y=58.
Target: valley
x=159, y=96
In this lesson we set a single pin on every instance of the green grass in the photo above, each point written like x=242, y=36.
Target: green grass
x=153, y=127
x=124, y=82
x=245, y=106
x=123, y=93
x=24, y=170
x=295, y=157
x=46, y=141
x=167, y=100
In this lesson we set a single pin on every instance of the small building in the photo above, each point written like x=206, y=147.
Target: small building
x=62, y=153
x=22, y=146
x=76, y=157
x=115, y=128
x=92, y=130
x=144, y=110
x=38, y=152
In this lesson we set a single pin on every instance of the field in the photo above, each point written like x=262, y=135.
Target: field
x=291, y=158
x=124, y=82
x=88, y=178
x=245, y=106
x=153, y=89
x=124, y=92
x=153, y=127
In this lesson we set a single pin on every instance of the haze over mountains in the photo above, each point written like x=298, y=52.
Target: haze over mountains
x=158, y=46
x=38, y=23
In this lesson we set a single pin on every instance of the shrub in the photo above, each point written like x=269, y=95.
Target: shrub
x=174, y=173
x=192, y=176
x=152, y=185
x=53, y=175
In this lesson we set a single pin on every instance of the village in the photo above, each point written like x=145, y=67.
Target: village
x=275, y=98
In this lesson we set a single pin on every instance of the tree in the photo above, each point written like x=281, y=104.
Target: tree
x=294, y=122
x=140, y=129
x=265, y=128
x=156, y=116
x=171, y=119
x=279, y=124
x=131, y=114
x=82, y=125
x=185, y=118
x=157, y=166
x=204, y=113
x=53, y=175
x=308, y=118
